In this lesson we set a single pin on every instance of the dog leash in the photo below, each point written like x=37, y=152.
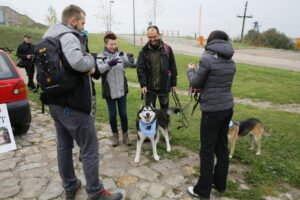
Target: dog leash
x=183, y=122
x=197, y=96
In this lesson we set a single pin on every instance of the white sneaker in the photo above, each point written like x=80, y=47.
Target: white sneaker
x=191, y=192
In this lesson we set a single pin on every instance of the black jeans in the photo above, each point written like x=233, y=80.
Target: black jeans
x=30, y=73
x=163, y=99
x=213, y=135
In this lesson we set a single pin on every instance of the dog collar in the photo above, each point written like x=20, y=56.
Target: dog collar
x=148, y=129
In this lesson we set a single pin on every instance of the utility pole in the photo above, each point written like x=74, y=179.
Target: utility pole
x=133, y=22
x=200, y=16
x=110, y=2
x=244, y=17
x=154, y=13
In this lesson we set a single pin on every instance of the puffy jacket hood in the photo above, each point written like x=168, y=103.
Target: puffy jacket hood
x=221, y=47
x=58, y=29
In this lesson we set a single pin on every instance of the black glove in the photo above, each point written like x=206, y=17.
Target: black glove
x=121, y=53
x=113, y=62
x=129, y=55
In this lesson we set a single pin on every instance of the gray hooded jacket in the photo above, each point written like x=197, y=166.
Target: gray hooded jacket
x=114, y=83
x=80, y=97
x=214, y=76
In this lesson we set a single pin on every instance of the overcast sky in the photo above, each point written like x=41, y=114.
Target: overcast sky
x=177, y=15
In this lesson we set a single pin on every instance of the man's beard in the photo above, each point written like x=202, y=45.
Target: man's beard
x=76, y=27
x=155, y=45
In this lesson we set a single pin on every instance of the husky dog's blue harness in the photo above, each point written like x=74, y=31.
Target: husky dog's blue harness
x=148, y=129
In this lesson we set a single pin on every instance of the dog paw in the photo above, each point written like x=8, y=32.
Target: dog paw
x=136, y=160
x=257, y=153
x=169, y=149
x=230, y=156
x=156, y=158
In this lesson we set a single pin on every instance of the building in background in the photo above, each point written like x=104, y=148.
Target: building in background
x=11, y=17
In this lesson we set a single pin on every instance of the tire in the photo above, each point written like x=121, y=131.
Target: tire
x=20, y=129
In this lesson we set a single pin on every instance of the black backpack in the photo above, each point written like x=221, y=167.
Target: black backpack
x=54, y=75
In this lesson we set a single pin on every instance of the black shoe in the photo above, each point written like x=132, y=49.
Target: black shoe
x=106, y=195
x=218, y=190
x=70, y=194
x=34, y=90
x=191, y=192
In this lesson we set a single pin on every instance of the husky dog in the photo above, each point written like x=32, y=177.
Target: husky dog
x=149, y=123
x=251, y=126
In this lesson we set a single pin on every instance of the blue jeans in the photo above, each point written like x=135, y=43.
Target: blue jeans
x=112, y=108
x=72, y=125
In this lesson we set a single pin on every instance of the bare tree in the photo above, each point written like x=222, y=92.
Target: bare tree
x=105, y=14
x=155, y=7
x=51, y=17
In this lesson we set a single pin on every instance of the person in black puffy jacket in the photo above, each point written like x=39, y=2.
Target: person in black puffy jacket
x=214, y=78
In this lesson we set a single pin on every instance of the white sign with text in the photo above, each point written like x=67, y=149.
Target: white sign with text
x=7, y=140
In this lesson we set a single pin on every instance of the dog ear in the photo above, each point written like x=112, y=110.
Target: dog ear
x=152, y=107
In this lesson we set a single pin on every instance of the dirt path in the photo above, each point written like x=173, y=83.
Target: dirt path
x=257, y=56
x=293, y=108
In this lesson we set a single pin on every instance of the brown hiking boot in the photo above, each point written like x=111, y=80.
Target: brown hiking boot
x=126, y=139
x=106, y=195
x=115, y=139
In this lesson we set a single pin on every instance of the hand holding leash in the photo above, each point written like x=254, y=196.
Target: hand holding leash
x=191, y=66
x=144, y=90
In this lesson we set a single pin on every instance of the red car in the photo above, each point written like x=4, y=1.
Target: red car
x=13, y=93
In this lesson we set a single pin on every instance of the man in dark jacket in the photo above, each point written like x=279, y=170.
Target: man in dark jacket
x=72, y=111
x=25, y=53
x=156, y=69
x=214, y=78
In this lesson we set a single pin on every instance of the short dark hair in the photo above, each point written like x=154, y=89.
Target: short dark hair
x=153, y=27
x=109, y=36
x=71, y=11
x=217, y=35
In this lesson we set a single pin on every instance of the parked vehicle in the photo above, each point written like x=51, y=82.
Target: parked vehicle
x=13, y=93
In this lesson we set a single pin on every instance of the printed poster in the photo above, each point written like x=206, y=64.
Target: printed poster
x=7, y=140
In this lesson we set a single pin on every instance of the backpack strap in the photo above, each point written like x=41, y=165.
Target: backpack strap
x=167, y=50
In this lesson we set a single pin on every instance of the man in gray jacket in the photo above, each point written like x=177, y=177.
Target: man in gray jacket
x=72, y=111
x=214, y=78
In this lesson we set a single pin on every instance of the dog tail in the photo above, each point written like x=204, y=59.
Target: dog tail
x=173, y=110
x=267, y=132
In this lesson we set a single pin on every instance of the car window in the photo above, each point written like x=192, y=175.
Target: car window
x=7, y=70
